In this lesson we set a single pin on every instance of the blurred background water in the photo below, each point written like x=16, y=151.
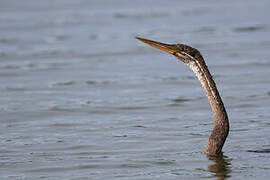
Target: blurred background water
x=82, y=99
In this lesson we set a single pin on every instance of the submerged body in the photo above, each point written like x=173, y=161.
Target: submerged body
x=195, y=61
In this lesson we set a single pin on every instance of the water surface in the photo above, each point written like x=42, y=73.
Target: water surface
x=82, y=99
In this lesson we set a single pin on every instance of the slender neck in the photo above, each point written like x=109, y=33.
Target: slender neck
x=221, y=123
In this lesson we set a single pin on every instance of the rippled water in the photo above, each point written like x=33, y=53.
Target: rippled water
x=82, y=99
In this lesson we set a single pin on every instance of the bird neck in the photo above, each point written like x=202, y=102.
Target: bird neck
x=221, y=123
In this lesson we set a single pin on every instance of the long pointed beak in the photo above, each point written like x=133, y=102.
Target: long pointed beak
x=170, y=48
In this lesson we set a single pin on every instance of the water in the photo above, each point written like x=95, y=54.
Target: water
x=82, y=99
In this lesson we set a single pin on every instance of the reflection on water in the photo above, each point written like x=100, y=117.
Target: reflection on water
x=221, y=167
x=260, y=151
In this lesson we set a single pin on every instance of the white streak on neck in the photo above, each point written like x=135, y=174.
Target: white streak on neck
x=199, y=71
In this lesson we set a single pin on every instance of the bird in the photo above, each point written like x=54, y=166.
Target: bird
x=195, y=61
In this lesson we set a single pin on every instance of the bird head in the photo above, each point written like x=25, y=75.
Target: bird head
x=184, y=53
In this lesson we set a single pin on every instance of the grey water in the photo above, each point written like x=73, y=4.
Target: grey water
x=81, y=98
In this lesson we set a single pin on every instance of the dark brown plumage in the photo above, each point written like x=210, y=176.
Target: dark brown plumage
x=193, y=58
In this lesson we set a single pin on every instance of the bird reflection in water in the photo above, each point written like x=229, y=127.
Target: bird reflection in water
x=221, y=168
